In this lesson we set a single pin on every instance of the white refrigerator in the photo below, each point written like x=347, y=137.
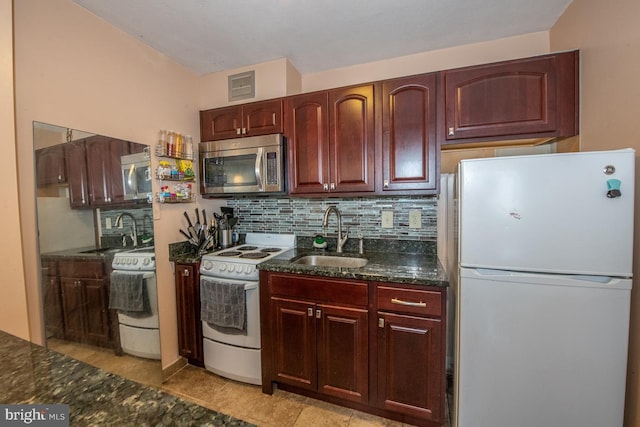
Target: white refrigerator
x=545, y=255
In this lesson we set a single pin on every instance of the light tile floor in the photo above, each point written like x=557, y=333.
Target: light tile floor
x=243, y=401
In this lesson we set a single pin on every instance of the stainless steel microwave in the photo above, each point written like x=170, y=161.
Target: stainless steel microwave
x=136, y=175
x=252, y=165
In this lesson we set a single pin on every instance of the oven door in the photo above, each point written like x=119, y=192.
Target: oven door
x=151, y=321
x=252, y=301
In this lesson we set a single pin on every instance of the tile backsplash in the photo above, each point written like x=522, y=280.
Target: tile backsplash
x=303, y=216
x=144, y=223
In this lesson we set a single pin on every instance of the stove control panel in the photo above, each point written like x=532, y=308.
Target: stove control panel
x=143, y=262
x=228, y=269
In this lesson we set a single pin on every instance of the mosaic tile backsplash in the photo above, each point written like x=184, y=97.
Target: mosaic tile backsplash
x=361, y=215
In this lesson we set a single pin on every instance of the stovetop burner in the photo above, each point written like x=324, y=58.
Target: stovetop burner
x=255, y=255
x=247, y=248
x=229, y=253
x=268, y=250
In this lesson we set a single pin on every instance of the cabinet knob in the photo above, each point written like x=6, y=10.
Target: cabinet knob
x=244, y=131
x=385, y=184
x=325, y=186
x=185, y=272
x=310, y=312
x=380, y=322
x=318, y=314
x=238, y=131
x=333, y=186
x=451, y=132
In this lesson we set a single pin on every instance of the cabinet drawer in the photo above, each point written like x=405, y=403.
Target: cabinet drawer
x=49, y=268
x=319, y=289
x=412, y=301
x=82, y=268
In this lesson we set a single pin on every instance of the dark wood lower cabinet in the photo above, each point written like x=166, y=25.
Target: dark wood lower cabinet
x=53, y=322
x=405, y=344
x=376, y=347
x=187, y=281
x=84, y=290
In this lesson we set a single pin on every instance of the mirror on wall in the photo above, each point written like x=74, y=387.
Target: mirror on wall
x=93, y=208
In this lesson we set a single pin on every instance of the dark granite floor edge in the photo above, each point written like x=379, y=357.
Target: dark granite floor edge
x=32, y=374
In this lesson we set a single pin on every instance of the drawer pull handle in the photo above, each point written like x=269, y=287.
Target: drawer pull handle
x=412, y=304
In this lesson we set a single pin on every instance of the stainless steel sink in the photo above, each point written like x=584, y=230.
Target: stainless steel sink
x=332, y=261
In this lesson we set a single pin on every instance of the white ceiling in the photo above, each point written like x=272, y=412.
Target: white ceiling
x=315, y=35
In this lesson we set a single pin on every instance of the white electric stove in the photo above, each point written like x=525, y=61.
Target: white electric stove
x=237, y=356
x=140, y=335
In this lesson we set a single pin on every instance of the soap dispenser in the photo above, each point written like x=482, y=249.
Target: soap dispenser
x=319, y=242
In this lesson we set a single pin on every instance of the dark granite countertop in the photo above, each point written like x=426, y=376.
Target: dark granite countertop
x=87, y=253
x=31, y=374
x=397, y=267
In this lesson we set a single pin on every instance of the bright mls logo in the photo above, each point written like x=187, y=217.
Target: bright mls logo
x=36, y=415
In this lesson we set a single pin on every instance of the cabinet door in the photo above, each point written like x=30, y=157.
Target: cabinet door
x=97, y=310
x=72, y=308
x=50, y=166
x=409, y=146
x=188, y=306
x=534, y=96
x=262, y=118
x=103, y=166
x=343, y=346
x=351, y=139
x=307, y=130
x=220, y=123
x=53, y=319
x=294, y=346
x=411, y=366
x=75, y=156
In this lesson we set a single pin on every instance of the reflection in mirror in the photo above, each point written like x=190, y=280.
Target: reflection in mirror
x=92, y=208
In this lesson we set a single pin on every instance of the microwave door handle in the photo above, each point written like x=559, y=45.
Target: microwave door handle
x=131, y=177
x=259, y=168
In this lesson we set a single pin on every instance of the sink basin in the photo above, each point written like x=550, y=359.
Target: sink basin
x=332, y=261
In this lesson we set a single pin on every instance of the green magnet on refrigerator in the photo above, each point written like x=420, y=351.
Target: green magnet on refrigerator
x=613, y=188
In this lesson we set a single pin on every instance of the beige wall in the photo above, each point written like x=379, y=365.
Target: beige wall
x=608, y=35
x=13, y=302
x=74, y=70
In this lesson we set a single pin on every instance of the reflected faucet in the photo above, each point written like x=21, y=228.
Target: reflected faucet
x=134, y=229
x=325, y=221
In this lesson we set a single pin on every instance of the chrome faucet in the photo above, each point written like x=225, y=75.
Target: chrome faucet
x=134, y=229
x=325, y=221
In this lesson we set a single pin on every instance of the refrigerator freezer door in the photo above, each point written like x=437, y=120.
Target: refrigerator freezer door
x=548, y=213
x=541, y=350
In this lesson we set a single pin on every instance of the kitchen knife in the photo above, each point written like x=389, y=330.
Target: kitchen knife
x=197, y=219
x=185, y=234
x=186, y=215
x=204, y=218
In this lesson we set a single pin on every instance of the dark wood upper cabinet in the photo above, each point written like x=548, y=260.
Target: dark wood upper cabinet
x=94, y=170
x=75, y=154
x=409, y=147
x=533, y=97
x=331, y=137
x=307, y=131
x=256, y=118
x=50, y=166
x=103, y=169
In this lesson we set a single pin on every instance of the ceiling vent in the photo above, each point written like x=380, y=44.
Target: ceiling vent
x=242, y=86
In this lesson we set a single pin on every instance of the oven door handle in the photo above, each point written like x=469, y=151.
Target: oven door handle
x=249, y=286
x=259, y=168
x=146, y=274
